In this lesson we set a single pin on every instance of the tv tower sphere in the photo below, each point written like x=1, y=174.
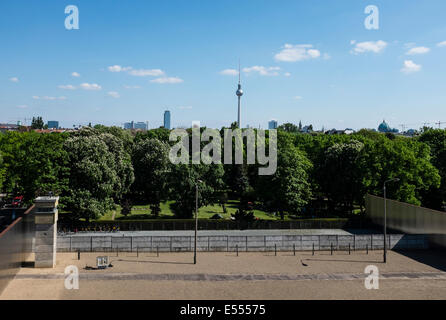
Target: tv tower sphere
x=239, y=92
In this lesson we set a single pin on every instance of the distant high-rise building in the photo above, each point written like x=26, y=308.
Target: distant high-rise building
x=142, y=125
x=136, y=125
x=129, y=125
x=53, y=124
x=167, y=119
x=272, y=124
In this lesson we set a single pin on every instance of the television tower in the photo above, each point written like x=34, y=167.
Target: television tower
x=239, y=94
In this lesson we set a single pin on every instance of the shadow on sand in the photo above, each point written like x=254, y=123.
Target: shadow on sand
x=151, y=261
x=436, y=258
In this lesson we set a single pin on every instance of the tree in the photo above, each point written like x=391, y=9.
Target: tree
x=403, y=158
x=185, y=178
x=151, y=163
x=288, y=190
x=37, y=123
x=290, y=127
x=126, y=206
x=92, y=177
x=161, y=134
x=100, y=173
x=435, y=198
x=34, y=163
x=2, y=172
x=342, y=173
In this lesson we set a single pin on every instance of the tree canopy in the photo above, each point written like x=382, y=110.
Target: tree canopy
x=94, y=169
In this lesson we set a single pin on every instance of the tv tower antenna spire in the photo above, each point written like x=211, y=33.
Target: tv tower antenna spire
x=239, y=94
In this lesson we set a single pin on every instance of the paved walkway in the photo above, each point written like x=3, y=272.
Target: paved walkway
x=412, y=275
x=234, y=277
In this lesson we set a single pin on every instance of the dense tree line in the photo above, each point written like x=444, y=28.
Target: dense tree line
x=94, y=169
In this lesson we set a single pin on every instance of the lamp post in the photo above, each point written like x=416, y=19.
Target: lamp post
x=385, y=217
x=196, y=220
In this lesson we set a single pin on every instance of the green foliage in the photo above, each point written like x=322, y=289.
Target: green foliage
x=151, y=163
x=436, y=139
x=288, y=190
x=126, y=206
x=289, y=127
x=161, y=134
x=94, y=169
x=382, y=158
x=37, y=123
x=2, y=172
x=341, y=175
x=184, y=181
x=34, y=163
x=402, y=158
x=123, y=135
x=243, y=216
x=100, y=173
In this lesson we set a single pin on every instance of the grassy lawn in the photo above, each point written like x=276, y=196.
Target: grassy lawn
x=143, y=212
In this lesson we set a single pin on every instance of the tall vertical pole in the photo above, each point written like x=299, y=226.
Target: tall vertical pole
x=239, y=123
x=385, y=227
x=239, y=94
x=196, y=223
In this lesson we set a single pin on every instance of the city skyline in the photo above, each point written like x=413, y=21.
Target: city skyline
x=317, y=64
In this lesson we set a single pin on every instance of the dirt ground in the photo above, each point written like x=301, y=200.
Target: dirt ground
x=259, y=275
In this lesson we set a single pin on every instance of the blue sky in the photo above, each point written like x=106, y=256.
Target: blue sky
x=312, y=61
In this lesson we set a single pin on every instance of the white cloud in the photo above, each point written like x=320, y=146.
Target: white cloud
x=298, y=98
x=164, y=80
x=49, y=98
x=298, y=52
x=418, y=50
x=67, y=87
x=75, y=74
x=14, y=79
x=113, y=94
x=441, y=44
x=229, y=72
x=117, y=68
x=147, y=72
x=90, y=86
x=369, y=46
x=23, y=106
x=131, y=87
x=287, y=74
x=263, y=71
x=137, y=72
x=410, y=67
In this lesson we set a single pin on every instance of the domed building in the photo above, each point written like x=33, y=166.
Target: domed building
x=384, y=128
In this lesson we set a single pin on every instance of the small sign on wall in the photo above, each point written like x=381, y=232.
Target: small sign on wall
x=44, y=219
